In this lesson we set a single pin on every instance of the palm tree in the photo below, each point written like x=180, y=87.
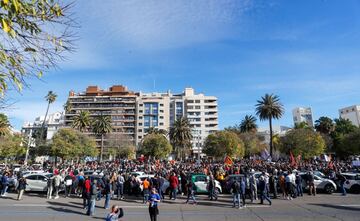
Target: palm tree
x=180, y=136
x=324, y=125
x=248, y=124
x=50, y=98
x=268, y=108
x=82, y=121
x=102, y=126
x=4, y=125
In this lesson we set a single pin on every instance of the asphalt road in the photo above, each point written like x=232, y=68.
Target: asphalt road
x=321, y=207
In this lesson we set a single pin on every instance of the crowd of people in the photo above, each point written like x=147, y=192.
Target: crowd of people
x=257, y=181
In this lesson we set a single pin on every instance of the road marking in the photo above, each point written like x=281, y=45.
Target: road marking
x=351, y=205
x=46, y=205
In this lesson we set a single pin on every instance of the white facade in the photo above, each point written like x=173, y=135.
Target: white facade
x=152, y=111
x=52, y=124
x=351, y=113
x=161, y=110
x=303, y=114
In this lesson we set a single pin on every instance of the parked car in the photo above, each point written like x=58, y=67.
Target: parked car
x=38, y=182
x=32, y=172
x=321, y=184
x=352, y=182
x=201, y=183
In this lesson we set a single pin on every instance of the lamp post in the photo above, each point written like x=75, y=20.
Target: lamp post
x=28, y=148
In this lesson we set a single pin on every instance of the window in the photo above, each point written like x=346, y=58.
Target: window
x=161, y=117
x=190, y=101
x=32, y=177
x=161, y=105
x=139, y=137
x=161, y=111
x=200, y=179
x=197, y=101
x=161, y=124
x=197, y=107
x=140, y=124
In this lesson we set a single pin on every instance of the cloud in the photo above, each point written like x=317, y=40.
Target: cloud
x=163, y=24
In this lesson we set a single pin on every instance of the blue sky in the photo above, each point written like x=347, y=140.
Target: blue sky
x=305, y=51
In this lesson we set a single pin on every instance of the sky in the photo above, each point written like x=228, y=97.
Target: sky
x=305, y=51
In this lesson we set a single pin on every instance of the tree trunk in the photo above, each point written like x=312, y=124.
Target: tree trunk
x=271, y=137
x=102, y=147
x=43, y=124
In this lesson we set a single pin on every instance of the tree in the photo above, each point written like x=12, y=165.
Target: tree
x=102, y=126
x=248, y=124
x=11, y=146
x=224, y=143
x=252, y=144
x=34, y=37
x=68, y=143
x=153, y=130
x=268, y=108
x=4, y=125
x=120, y=145
x=349, y=144
x=82, y=121
x=301, y=125
x=50, y=98
x=155, y=145
x=324, y=125
x=180, y=137
x=68, y=106
x=339, y=135
x=304, y=142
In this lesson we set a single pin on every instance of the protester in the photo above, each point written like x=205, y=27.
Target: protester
x=21, y=187
x=153, y=205
x=174, y=182
x=190, y=190
x=115, y=214
x=4, y=183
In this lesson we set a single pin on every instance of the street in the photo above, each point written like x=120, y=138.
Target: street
x=321, y=207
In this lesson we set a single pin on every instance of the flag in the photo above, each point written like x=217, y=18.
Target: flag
x=228, y=160
x=331, y=165
x=292, y=159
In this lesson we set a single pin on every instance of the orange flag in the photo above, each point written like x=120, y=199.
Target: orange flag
x=228, y=161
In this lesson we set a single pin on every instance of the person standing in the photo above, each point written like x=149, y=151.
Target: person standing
x=211, y=188
x=273, y=184
x=107, y=192
x=253, y=186
x=342, y=180
x=190, y=192
x=50, y=186
x=68, y=185
x=174, y=182
x=4, y=183
x=311, y=183
x=92, y=201
x=235, y=189
x=57, y=182
x=120, y=186
x=21, y=187
x=146, y=191
x=86, y=188
x=154, y=199
x=298, y=182
x=262, y=188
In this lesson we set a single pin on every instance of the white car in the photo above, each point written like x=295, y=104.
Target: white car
x=352, y=182
x=37, y=182
x=32, y=172
x=323, y=184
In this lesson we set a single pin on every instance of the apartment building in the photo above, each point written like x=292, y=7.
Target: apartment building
x=53, y=123
x=152, y=111
x=117, y=102
x=303, y=114
x=351, y=113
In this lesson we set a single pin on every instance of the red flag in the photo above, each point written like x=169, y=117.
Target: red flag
x=228, y=161
x=292, y=159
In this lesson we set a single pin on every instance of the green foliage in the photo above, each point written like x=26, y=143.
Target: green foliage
x=224, y=143
x=268, y=108
x=180, y=137
x=248, y=124
x=155, y=145
x=153, y=130
x=11, y=146
x=252, y=144
x=303, y=141
x=343, y=127
x=34, y=36
x=301, y=125
x=82, y=121
x=348, y=144
x=4, y=125
x=324, y=125
x=101, y=126
x=120, y=145
x=68, y=143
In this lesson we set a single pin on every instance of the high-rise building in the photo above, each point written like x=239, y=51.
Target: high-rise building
x=152, y=111
x=117, y=102
x=52, y=124
x=351, y=113
x=133, y=114
x=303, y=114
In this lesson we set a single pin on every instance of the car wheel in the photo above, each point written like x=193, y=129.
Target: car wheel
x=329, y=189
x=355, y=189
